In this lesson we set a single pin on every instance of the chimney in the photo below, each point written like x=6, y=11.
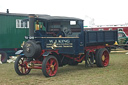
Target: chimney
x=7, y=10
x=31, y=24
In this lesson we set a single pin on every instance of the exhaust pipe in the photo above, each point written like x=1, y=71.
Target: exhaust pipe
x=7, y=11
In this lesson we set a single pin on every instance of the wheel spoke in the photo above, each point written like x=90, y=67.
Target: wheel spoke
x=48, y=64
x=25, y=70
x=51, y=61
x=21, y=65
x=21, y=69
x=47, y=68
x=22, y=61
x=55, y=64
x=50, y=73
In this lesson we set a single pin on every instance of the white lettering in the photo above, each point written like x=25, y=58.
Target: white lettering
x=51, y=41
x=59, y=41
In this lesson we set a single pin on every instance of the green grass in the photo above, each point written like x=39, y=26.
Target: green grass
x=114, y=74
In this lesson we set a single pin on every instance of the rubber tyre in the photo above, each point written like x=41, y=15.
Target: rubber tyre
x=46, y=67
x=18, y=70
x=96, y=56
x=99, y=54
x=4, y=56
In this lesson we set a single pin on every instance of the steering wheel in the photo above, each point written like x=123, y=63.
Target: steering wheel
x=67, y=31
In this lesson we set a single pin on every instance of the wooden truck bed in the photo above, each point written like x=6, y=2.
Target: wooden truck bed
x=93, y=38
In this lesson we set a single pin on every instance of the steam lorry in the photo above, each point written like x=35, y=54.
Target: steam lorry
x=55, y=41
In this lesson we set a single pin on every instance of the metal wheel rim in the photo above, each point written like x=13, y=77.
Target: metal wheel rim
x=106, y=56
x=51, y=67
x=22, y=66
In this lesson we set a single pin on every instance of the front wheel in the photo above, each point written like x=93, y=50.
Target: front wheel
x=50, y=66
x=20, y=65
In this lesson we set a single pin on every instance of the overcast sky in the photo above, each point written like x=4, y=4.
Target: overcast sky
x=103, y=11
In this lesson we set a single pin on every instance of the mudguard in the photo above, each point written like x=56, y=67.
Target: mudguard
x=46, y=53
x=19, y=52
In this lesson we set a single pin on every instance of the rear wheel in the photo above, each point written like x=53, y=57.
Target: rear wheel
x=4, y=56
x=50, y=66
x=89, y=59
x=102, y=57
x=20, y=65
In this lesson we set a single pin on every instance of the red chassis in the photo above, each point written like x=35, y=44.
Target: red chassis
x=37, y=64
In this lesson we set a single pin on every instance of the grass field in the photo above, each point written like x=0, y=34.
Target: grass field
x=115, y=74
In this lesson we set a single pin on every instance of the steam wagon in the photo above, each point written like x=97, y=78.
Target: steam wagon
x=56, y=41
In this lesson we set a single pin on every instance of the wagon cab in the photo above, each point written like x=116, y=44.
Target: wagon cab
x=59, y=32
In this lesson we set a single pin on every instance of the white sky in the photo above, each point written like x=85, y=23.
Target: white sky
x=103, y=11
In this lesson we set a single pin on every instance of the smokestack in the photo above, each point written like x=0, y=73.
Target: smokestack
x=31, y=24
x=7, y=10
